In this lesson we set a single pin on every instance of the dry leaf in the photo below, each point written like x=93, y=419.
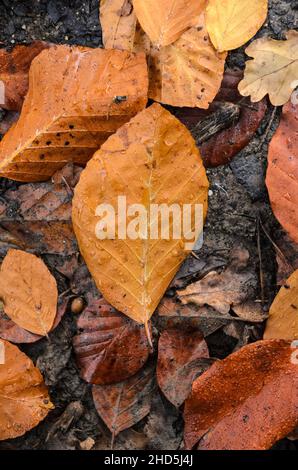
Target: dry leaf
x=164, y=21
x=283, y=314
x=273, y=69
x=282, y=171
x=154, y=160
x=231, y=23
x=109, y=348
x=77, y=97
x=247, y=401
x=14, y=69
x=118, y=22
x=251, y=311
x=123, y=404
x=181, y=354
x=29, y=292
x=24, y=399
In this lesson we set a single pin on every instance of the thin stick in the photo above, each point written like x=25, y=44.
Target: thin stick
x=260, y=261
x=264, y=136
x=277, y=249
x=147, y=330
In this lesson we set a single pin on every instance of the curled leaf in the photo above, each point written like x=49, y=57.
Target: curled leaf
x=118, y=22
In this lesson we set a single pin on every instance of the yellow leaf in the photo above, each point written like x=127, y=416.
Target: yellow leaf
x=151, y=160
x=118, y=23
x=231, y=23
x=283, y=314
x=165, y=20
x=274, y=69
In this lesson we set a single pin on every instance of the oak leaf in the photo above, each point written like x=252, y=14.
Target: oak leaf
x=77, y=97
x=29, y=292
x=282, y=171
x=231, y=23
x=246, y=401
x=24, y=399
x=118, y=23
x=273, y=69
x=154, y=160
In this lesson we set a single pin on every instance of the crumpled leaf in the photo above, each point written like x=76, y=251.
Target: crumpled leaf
x=118, y=22
x=29, y=292
x=69, y=111
x=154, y=159
x=14, y=69
x=282, y=171
x=181, y=354
x=110, y=348
x=283, y=314
x=123, y=404
x=247, y=401
x=231, y=23
x=273, y=69
x=24, y=399
x=165, y=21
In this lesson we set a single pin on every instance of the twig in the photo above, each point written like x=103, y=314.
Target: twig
x=264, y=136
x=277, y=249
x=260, y=261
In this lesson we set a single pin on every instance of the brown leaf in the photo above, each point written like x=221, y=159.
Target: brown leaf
x=123, y=404
x=118, y=22
x=14, y=70
x=282, y=172
x=155, y=161
x=251, y=311
x=24, y=399
x=182, y=357
x=110, y=348
x=29, y=292
x=246, y=401
x=77, y=97
x=286, y=257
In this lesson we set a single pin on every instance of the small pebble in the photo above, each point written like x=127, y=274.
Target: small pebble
x=210, y=193
x=77, y=305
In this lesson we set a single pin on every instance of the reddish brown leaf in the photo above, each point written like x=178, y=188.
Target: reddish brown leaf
x=110, y=348
x=247, y=401
x=181, y=354
x=123, y=404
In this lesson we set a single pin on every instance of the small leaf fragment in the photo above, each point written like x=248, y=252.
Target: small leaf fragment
x=118, y=22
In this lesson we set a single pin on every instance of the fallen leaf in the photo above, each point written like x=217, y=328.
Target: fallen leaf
x=165, y=21
x=109, y=348
x=69, y=112
x=273, y=69
x=29, y=292
x=231, y=23
x=155, y=161
x=123, y=404
x=283, y=314
x=14, y=71
x=251, y=311
x=24, y=399
x=247, y=401
x=282, y=171
x=182, y=355
x=118, y=22
x=286, y=257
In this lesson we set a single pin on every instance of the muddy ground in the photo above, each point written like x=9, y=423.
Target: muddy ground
x=237, y=198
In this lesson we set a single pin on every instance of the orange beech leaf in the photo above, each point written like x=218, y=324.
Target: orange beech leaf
x=123, y=404
x=182, y=355
x=282, y=172
x=164, y=21
x=247, y=401
x=151, y=160
x=29, y=292
x=110, y=347
x=24, y=399
x=118, y=22
x=283, y=314
x=77, y=97
x=14, y=70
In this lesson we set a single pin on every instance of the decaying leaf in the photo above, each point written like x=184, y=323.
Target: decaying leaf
x=154, y=160
x=181, y=354
x=110, y=348
x=283, y=314
x=24, y=399
x=251, y=311
x=282, y=171
x=246, y=401
x=123, y=404
x=14, y=70
x=77, y=97
x=273, y=69
x=118, y=22
x=231, y=23
x=165, y=21
x=29, y=292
